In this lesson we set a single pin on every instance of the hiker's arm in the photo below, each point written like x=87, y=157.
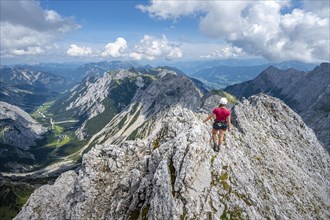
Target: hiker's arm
x=228, y=122
x=209, y=117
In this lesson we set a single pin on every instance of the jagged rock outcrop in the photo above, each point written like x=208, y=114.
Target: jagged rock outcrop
x=306, y=93
x=270, y=167
x=18, y=132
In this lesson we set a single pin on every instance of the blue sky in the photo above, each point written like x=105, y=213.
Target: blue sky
x=163, y=31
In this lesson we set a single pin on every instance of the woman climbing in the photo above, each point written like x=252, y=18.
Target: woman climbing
x=220, y=124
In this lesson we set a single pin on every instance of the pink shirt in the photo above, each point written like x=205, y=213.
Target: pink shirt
x=221, y=114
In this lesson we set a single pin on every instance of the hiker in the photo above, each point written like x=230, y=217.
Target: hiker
x=221, y=122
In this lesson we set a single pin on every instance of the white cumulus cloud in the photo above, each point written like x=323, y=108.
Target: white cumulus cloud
x=27, y=51
x=75, y=50
x=272, y=29
x=225, y=52
x=116, y=49
x=151, y=48
x=25, y=25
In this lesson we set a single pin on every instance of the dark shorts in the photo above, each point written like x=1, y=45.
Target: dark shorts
x=220, y=125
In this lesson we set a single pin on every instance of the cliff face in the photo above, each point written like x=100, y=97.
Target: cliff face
x=18, y=131
x=270, y=166
x=306, y=93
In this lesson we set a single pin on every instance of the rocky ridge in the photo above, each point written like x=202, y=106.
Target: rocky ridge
x=98, y=99
x=307, y=93
x=99, y=96
x=270, y=167
x=137, y=119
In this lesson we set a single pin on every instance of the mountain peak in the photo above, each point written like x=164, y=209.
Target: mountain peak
x=306, y=93
x=271, y=68
x=323, y=67
x=173, y=172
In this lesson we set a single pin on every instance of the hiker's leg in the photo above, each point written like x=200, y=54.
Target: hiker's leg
x=214, y=136
x=222, y=133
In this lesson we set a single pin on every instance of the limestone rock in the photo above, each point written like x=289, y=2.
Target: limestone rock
x=17, y=127
x=271, y=166
x=18, y=132
x=307, y=93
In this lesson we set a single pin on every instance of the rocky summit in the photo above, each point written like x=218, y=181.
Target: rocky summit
x=307, y=93
x=271, y=166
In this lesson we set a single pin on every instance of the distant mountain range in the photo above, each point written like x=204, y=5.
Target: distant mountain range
x=75, y=72
x=191, y=67
x=214, y=73
x=22, y=76
x=221, y=76
x=28, y=88
x=25, y=96
x=305, y=92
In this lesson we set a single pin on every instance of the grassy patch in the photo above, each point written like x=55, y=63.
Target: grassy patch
x=42, y=111
x=58, y=130
x=133, y=135
x=160, y=135
x=245, y=198
x=184, y=214
x=235, y=213
x=135, y=214
x=60, y=142
x=121, y=93
x=223, y=176
x=156, y=143
x=134, y=108
x=225, y=185
x=122, y=122
x=98, y=122
x=145, y=211
x=231, y=99
x=70, y=148
x=12, y=197
x=55, y=137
